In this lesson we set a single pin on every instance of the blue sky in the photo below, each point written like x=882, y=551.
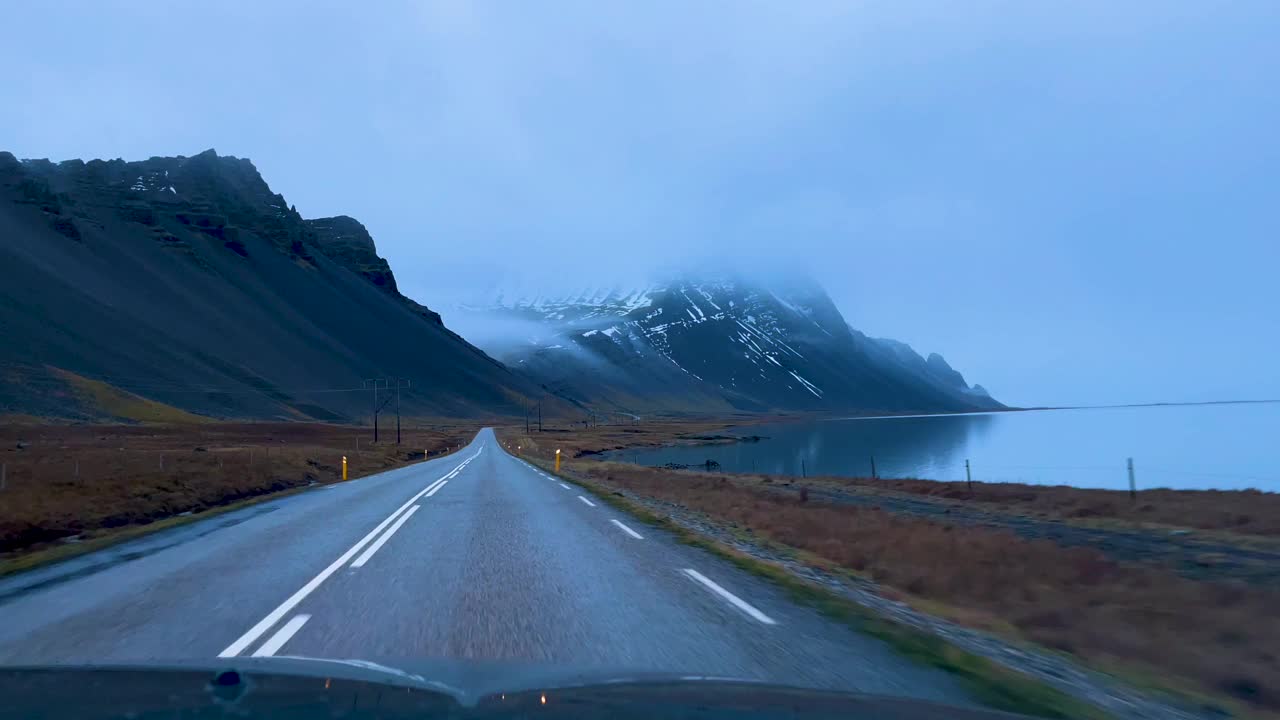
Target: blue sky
x=1073, y=202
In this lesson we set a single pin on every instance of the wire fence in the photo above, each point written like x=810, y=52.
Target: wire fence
x=1125, y=474
x=1112, y=476
x=47, y=470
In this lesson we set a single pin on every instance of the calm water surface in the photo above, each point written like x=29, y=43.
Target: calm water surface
x=1191, y=446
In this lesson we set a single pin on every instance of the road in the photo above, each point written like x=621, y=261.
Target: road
x=477, y=555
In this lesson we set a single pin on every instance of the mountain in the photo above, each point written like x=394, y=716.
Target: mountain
x=934, y=371
x=187, y=281
x=711, y=343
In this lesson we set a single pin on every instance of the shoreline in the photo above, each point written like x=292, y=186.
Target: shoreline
x=937, y=451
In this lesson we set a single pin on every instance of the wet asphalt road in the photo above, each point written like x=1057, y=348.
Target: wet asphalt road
x=496, y=562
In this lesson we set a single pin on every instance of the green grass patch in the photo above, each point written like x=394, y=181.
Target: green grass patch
x=125, y=405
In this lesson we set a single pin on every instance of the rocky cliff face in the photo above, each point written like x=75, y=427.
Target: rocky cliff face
x=221, y=197
x=189, y=281
x=349, y=244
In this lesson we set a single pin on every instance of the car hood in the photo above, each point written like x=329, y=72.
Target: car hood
x=293, y=686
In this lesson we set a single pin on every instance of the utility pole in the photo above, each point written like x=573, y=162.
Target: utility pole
x=968, y=477
x=375, y=384
x=1133, y=485
x=526, y=419
x=400, y=383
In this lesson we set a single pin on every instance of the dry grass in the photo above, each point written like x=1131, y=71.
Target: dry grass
x=87, y=480
x=1241, y=512
x=579, y=441
x=1219, y=639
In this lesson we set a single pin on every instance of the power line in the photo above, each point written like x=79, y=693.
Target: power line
x=48, y=378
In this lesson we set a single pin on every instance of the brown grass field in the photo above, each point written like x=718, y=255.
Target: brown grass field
x=88, y=480
x=1219, y=639
x=1242, y=512
x=577, y=441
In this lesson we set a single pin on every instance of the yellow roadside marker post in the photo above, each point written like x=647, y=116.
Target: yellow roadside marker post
x=557, y=459
x=344, y=467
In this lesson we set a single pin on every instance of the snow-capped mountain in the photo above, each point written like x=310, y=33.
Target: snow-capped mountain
x=703, y=344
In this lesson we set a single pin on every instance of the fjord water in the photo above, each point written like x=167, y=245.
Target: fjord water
x=1223, y=446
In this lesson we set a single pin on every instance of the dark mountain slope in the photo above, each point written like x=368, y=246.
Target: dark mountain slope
x=716, y=343
x=188, y=281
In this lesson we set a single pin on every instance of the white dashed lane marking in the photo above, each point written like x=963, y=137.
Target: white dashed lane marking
x=627, y=530
x=734, y=600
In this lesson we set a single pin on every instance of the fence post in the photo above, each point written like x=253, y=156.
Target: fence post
x=873, y=467
x=968, y=477
x=1133, y=487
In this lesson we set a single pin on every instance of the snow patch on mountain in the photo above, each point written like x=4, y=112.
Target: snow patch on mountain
x=749, y=345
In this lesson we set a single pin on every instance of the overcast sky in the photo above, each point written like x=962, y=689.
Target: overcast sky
x=1074, y=202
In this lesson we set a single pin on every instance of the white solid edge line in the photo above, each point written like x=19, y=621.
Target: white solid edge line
x=627, y=530
x=274, y=616
x=734, y=600
x=277, y=641
x=566, y=487
x=436, y=489
x=377, y=544
x=588, y=502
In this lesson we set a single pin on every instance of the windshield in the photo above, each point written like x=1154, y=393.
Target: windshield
x=903, y=350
